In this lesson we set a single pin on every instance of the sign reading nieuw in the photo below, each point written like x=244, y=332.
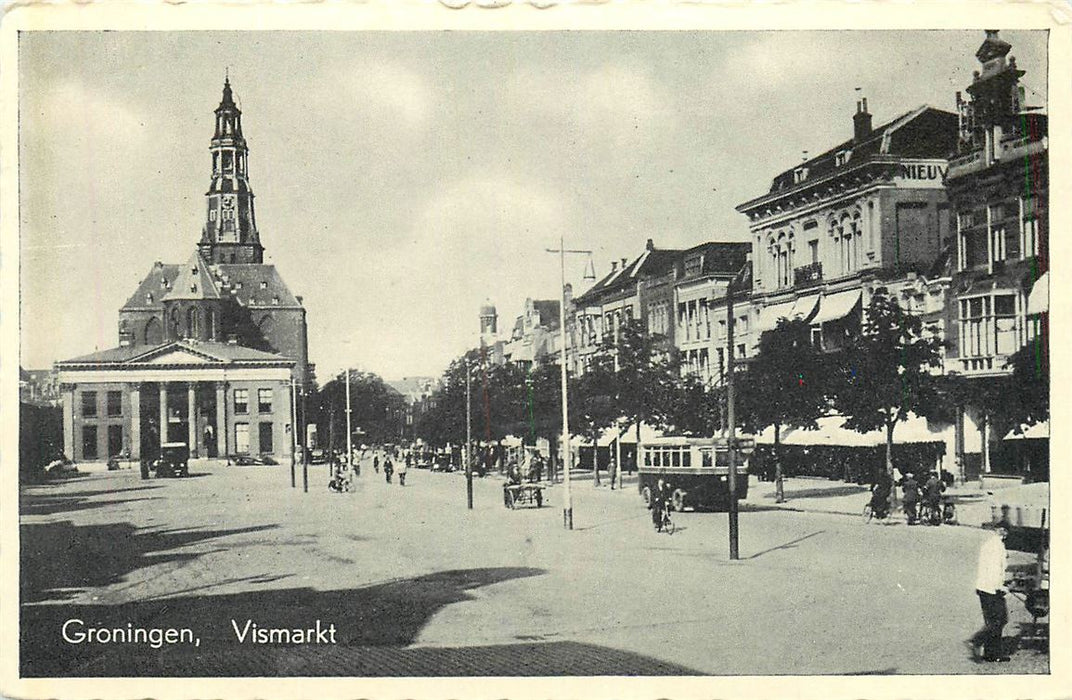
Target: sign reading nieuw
x=926, y=174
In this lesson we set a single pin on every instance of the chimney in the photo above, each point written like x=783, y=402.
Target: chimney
x=861, y=121
x=613, y=265
x=625, y=261
x=299, y=298
x=650, y=245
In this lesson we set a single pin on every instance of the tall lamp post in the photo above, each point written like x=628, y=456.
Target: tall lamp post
x=567, y=457
x=468, y=438
x=349, y=430
x=731, y=419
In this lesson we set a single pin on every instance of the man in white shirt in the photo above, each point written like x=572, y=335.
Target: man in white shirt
x=990, y=586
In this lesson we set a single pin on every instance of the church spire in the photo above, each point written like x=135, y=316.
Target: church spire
x=230, y=232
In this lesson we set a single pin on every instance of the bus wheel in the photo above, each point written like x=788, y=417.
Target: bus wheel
x=645, y=493
x=677, y=500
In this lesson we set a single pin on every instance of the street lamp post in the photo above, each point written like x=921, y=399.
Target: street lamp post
x=293, y=431
x=468, y=439
x=567, y=457
x=731, y=420
x=349, y=430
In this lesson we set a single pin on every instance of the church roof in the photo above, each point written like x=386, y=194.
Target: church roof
x=211, y=351
x=194, y=281
x=254, y=285
x=154, y=287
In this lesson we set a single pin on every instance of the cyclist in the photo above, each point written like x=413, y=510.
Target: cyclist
x=660, y=500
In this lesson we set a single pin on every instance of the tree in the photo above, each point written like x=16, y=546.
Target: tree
x=885, y=372
x=376, y=408
x=646, y=375
x=783, y=386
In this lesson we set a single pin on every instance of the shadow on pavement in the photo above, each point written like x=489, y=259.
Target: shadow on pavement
x=58, y=559
x=822, y=492
x=42, y=500
x=387, y=615
x=788, y=545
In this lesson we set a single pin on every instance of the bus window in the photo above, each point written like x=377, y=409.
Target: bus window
x=655, y=460
x=647, y=458
x=686, y=457
x=705, y=455
x=676, y=456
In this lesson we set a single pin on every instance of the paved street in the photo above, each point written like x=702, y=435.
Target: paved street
x=417, y=585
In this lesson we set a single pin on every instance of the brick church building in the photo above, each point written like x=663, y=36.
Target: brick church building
x=211, y=351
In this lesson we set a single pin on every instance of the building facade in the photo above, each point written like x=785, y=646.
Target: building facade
x=211, y=351
x=861, y=215
x=998, y=191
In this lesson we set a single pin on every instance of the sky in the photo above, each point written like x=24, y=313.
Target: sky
x=402, y=178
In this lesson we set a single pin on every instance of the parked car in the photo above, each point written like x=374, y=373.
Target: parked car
x=248, y=460
x=173, y=460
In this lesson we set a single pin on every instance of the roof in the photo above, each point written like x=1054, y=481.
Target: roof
x=546, y=311
x=212, y=351
x=194, y=281
x=153, y=287
x=924, y=132
x=653, y=261
x=254, y=284
x=719, y=257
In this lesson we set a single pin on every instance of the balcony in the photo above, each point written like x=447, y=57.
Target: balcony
x=983, y=365
x=1021, y=148
x=808, y=275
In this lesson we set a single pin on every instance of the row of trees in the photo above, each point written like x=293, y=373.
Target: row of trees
x=876, y=379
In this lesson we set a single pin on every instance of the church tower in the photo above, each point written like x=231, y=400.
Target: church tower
x=230, y=232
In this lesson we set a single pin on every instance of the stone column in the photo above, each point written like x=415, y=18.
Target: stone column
x=221, y=420
x=135, y=421
x=68, y=422
x=163, y=413
x=191, y=418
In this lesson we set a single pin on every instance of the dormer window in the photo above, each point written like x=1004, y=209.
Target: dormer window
x=163, y=282
x=800, y=175
x=193, y=270
x=843, y=157
x=264, y=284
x=193, y=288
x=238, y=285
x=149, y=298
x=275, y=300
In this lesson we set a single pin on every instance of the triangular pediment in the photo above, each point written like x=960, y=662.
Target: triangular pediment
x=178, y=357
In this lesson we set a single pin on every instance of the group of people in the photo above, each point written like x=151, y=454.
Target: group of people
x=405, y=461
x=914, y=496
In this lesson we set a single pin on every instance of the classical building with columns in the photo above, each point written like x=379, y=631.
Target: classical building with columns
x=211, y=351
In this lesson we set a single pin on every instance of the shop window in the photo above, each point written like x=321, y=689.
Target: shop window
x=264, y=438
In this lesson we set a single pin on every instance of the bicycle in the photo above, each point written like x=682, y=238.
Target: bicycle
x=869, y=513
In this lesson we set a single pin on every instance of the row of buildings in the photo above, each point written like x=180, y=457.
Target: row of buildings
x=945, y=210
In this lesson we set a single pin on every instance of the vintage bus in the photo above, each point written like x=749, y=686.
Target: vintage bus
x=696, y=470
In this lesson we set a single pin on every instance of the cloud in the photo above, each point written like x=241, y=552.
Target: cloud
x=384, y=93
x=77, y=113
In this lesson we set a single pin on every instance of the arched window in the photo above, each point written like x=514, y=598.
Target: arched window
x=857, y=240
x=154, y=332
x=174, y=325
x=193, y=322
x=213, y=324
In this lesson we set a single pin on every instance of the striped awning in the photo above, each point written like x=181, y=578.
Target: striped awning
x=837, y=306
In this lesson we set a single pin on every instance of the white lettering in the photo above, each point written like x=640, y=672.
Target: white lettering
x=245, y=630
x=79, y=637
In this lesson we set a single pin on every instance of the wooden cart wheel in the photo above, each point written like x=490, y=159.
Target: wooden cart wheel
x=645, y=493
x=677, y=500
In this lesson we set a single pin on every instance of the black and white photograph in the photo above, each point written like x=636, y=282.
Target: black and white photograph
x=535, y=354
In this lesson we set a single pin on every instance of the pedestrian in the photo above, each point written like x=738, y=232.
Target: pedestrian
x=388, y=468
x=376, y=462
x=880, y=494
x=910, y=488
x=403, y=467
x=537, y=465
x=932, y=495
x=990, y=587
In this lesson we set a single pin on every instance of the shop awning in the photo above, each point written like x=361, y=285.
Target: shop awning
x=769, y=315
x=1038, y=301
x=837, y=306
x=804, y=307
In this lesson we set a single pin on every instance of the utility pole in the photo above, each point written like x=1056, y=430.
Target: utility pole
x=304, y=461
x=731, y=419
x=567, y=458
x=349, y=430
x=293, y=432
x=468, y=439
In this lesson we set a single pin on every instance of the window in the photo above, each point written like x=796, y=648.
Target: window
x=705, y=457
x=115, y=440
x=740, y=351
x=843, y=157
x=89, y=404
x=813, y=249
x=89, y=441
x=686, y=457
x=115, y=403
x=989, y=325
x=264, y=400
x=997, y=234
x=722, y=329
x=1029, y=228
x=264, y=438
x=241, y=435
x=241, y=401
x=742, y=324
x=817, y=336
x=800, y=175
